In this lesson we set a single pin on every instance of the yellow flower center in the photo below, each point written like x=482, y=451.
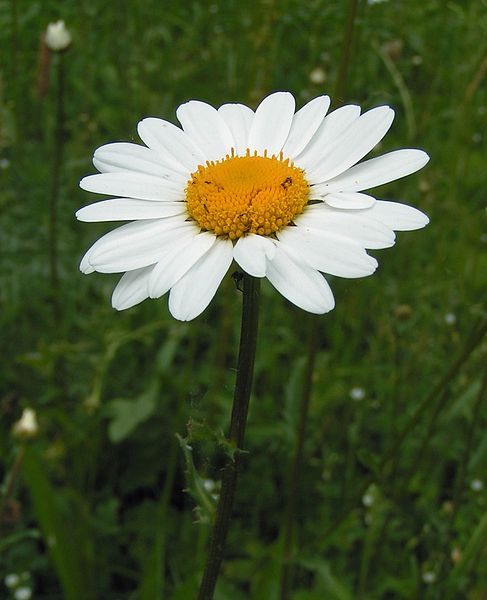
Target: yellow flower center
x=246, y=194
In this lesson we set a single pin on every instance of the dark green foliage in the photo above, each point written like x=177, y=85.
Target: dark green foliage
x=100, y=505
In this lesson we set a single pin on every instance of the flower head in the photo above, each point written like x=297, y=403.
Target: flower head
x=277, y=192
x=57, y=36
x=26, y=426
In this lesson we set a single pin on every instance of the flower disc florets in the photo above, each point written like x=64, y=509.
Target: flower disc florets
x=246, y=194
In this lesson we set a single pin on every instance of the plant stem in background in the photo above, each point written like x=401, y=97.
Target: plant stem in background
x=14, y=71
x=346, y=54
x=10, y=485
x=293, y=487
x=58, y=151
x=243, y=384
x=473, y=341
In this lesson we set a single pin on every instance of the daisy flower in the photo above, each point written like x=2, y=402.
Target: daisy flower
x=277, y=191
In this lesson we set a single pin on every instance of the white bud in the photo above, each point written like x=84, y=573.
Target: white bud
x=357, y=393
x=429, y=577
x=317, y=76
x=26, y=426
x=57, y=36
x=23, y=593
x=477, y=485
x=367, y=499
x=11, y=580
x=450, y=319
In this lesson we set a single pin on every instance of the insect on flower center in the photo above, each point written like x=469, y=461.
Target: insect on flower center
x=246, y=194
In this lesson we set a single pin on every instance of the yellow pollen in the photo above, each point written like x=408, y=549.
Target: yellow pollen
x=246, y=194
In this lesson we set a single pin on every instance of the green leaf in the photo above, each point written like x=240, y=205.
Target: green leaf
x=129, y=414
x=64, y=532
x=195, y=485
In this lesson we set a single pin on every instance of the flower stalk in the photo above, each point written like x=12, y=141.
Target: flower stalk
x=56, y=180
x=243, y=385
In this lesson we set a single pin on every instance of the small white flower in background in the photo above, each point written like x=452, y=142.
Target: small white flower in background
x=450, y=319
x=57, y=36
x=209, y=485
x=26, y=426
x=317, y=76
x=278, y=192
x=11, y=580
x=23, y=593
x=357, y=393
x=429, y=577
x=4, y=163
x=477, y=485
x=367, y=499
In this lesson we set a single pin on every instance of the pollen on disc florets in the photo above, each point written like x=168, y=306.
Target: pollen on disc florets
x=246, y=194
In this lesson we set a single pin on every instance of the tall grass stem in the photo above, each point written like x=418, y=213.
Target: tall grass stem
x=346, y=54
x=58, y=152
x=294, y=481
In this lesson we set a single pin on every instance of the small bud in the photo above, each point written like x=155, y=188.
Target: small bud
x=403, y=312
x=450, y=319
x=317, y=76
x=23, y=593
x=456, y=555
x=429, y=577
x=393, y=49
x=11, y=580
x=477, y=485
x=58, y=37
x=26, y=426
x=367, y=499
x=357, y=394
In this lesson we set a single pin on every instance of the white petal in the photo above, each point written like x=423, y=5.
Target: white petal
x=299, y=283
x=251, y=252
x=85, y=266
x=326, y=136
x=175, y=263
x=133, y=185
x=305, y=124
x=193, y=292
x=349, y=200
x=271, y=124
x=122, y=156
x=395, y=215
x=355, y=225
x=328, y=252
x=238, y=118
x=137, y=244
x=131, y=289
x=128, y=209
x=377, y=171
x=206, y=128
x=172, y=143
x=357, y=141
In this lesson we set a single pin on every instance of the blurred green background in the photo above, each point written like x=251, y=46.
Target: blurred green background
x=104, y=502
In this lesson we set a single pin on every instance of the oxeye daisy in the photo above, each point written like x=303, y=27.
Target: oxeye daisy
x=277, y=191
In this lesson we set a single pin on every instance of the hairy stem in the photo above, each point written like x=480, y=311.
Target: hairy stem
x=243, y=384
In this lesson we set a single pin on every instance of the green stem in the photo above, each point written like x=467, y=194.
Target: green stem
x=474, y=339
x=243, y=384
x=290, y=514
x=55, y=184
x=346, y=54
x=462, y=470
